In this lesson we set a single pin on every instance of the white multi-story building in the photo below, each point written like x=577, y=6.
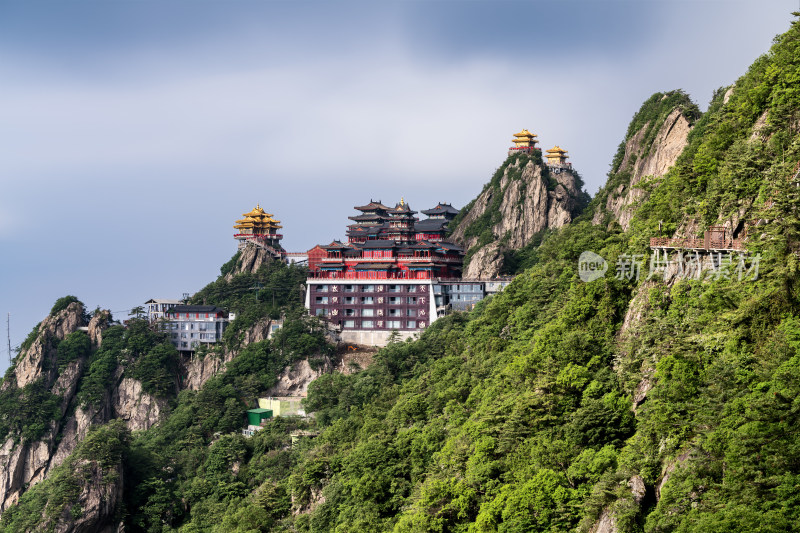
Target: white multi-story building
x=193, y=325
x=157, y=307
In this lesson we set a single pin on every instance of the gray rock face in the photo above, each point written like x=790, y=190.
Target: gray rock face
x=641, y=161
x=606, y=523
x=526, y=208
x=97, y=325
x=23, y=464
x=250, y=260
x=295, y=379
x=99, y=498
x=39, y=360
x=199, y=369
x=136, y=407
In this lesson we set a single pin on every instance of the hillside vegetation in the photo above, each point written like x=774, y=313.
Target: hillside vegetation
x=622, y=404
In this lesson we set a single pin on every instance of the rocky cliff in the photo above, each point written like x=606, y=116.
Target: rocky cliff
x=656, y=137
x=248, y=260
x=523, y=198
x=41, y=392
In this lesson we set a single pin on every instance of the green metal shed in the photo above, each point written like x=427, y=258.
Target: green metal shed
x=255, y=416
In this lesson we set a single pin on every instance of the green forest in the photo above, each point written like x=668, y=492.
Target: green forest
x=658, y=405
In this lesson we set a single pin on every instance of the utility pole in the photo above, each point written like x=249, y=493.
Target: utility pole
x=8, y=336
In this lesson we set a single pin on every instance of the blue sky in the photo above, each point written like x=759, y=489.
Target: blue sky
x=134, y=133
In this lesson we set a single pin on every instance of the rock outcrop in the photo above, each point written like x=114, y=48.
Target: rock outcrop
x=39, y=360
x=645, y=158
x=295, y=378
x=250, y=259
x=136, y=407
x=527, y=199
x=98, y=500
x=25, y=462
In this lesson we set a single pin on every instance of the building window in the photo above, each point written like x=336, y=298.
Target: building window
x=412, y=288
x=412, y=299
x=367, y=300
x=412, y=312
x=349, y=323
x=395, y=312
x=393, y=324
x=395, y=300
x=349, y=288
x=411, y=324
x=368, y=312
x=322, y=288
x=322, y=299
x=395, y=288
x=321, y=312
x=368, y=288
x=350, y=312
x=367, y=324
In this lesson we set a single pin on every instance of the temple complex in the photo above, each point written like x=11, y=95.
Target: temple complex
x=259, y=228
x=524, y=141
x=385, y=277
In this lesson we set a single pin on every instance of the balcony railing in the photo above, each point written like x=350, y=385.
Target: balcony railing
x=446, y=258
x=261, y=236
x=708, y=242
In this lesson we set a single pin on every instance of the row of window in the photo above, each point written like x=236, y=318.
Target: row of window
x=466, y=287
x=388, y=324
x=370, y=288
x=201, y=336
x=322, y=312
x=369, y=300
x=191, y=325
x=191, y=315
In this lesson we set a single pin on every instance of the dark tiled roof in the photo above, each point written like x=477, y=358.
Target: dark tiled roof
x=431, y=224
x=335, y=245
x=371, y=206
x=450, y=246
x=440, y=209
x=404, y=209
x=379, y=243
x=368, y=217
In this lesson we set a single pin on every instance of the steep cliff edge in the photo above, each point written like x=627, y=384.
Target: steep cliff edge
x=83, y=495
x=61, y=384
x=523, y=198
x=656, y=136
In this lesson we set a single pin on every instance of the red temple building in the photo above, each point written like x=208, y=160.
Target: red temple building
x=384, y=278
x=390, y=243
x=315, y=257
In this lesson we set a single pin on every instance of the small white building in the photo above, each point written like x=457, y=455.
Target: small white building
x=157, y=307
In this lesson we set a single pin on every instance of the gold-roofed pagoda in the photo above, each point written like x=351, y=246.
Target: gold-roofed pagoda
x=260, y=228
x=524, y=141
x=557, y=156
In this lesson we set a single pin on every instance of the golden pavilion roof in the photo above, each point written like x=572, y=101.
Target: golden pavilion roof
x=525, y=133
x=557, y=150
x=258, y=221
